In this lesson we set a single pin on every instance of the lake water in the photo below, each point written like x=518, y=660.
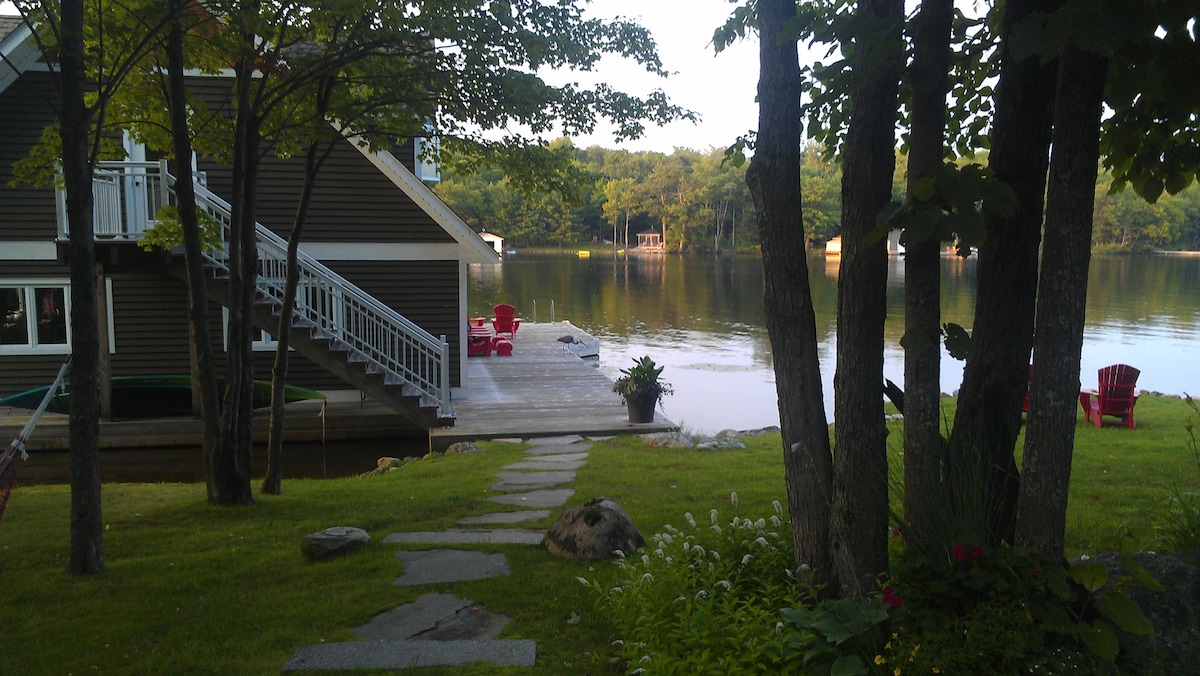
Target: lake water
x=702, y=317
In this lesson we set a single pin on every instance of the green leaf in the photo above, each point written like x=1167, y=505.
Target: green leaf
x=1140, y=575
x=924, y=188
x=1091, y=575
x=917, y=342
x=958, y=341
x=848, y=665
x=1124, y=613
x=1100, y=638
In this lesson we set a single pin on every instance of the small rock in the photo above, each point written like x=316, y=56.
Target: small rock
x=668, y=440
x=386, y=462
x=333, y=542
x=1175, y=613
x=464, y=447
x=597, y=530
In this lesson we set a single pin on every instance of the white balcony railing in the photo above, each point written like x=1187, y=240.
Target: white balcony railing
x=129, y=194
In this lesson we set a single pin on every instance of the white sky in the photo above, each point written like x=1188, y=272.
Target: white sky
x=720, y=88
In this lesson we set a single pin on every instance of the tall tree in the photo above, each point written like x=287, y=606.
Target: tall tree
x=929, y=82
x=75, y=117
x=860, y=469
x=1062, y=298
x=774, y=181
x=988, y=416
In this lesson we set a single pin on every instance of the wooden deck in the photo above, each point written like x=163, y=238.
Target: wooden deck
x=539, y=391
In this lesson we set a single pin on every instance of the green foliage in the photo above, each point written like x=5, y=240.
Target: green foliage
x=167, y=231
x=701, y=599
x=1179, y=519
x=642, y=381
x=837, y=637
x=1049, y=609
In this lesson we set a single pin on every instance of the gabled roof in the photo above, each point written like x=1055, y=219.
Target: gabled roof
x=439, y=211
x=18, y=53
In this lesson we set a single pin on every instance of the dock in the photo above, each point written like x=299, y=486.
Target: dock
x=541, y=390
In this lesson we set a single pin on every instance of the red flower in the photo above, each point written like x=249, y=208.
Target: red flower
x=968, y=552
x=890, y=598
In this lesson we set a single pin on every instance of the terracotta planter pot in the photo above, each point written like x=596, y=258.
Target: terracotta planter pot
x=641, y=410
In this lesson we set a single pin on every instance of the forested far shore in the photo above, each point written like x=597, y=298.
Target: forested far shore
x=699, y=202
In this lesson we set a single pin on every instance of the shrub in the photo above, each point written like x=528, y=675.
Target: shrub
x=1179, y=520
x=703, y=599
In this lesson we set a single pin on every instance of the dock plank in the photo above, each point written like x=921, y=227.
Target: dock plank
x=541, y=390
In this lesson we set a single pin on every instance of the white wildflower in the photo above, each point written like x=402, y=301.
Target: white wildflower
x=733, y=498
x=716, y=528
x=746, y=559
x=620, y=554
x=687, y=516
x=618, y=642
x=686, y=545
x=712, y=515
x=761, y=542
x=615, y=591
x=724, y=583
x=659, y=552
x=645, y=560
x=701, y=594
x=777, y=507
x=698, y=549
x=645, y=659
x=638, y=672
x=761, y=523
x=715, y=554
x=776, y=521
x=667, y=539
x=647, y=578
x=582, y=580
x=747, y=524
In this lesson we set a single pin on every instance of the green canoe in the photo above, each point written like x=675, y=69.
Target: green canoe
x=152, y=396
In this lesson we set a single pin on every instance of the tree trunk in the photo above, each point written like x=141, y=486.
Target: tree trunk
x=988, y=417
x=87, y=527
x=273, y=481
x=231, y=481
x=923, y=446
x=1062, y=298
x=860, y=482
x=204, y=372
x=774, y=182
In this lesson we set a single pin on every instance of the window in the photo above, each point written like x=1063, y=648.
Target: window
x=33, y=317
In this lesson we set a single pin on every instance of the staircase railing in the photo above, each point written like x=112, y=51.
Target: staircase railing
x=331, y=306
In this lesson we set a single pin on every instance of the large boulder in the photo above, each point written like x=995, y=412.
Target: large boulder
x=1174, y=648
x=333, y=542
x=597, y=530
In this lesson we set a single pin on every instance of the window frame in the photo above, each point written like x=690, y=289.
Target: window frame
x=29, y=287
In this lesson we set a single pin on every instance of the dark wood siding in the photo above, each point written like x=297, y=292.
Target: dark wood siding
x=352, y=200
x=26, y=213
x=426, y=292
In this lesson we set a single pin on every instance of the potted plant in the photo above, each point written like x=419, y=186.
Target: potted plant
x=641, y=389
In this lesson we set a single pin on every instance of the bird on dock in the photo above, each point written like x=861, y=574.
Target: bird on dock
x=567, y=341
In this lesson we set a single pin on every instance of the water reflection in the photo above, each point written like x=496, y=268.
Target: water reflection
x=703, y=318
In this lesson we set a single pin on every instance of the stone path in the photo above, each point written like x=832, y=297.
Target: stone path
x=442, y=629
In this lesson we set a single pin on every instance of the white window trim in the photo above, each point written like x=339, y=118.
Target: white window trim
x=28, y=285
x=264, y=343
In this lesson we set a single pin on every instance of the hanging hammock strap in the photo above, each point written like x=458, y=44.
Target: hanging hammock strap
x=8, y=467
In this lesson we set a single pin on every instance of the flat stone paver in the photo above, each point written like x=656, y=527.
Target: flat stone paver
x=560, y=440
x=523, y=481
x=553, y=449
x=558, y=457
x=449, y=565
x=502, y=536
x=505, y=517
x=554, y=497
x=410, y=654
x=546, y=465
x=423, y=617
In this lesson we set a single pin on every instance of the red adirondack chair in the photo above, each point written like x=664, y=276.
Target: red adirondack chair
x=1114, y=397
x=505, y=323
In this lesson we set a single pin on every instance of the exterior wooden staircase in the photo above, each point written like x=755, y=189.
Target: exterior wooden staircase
x=334, y=323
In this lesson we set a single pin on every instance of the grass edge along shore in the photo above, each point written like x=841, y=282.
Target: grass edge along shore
x=192, y=588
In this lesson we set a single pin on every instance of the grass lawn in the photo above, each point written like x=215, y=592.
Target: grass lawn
x=197, y=589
